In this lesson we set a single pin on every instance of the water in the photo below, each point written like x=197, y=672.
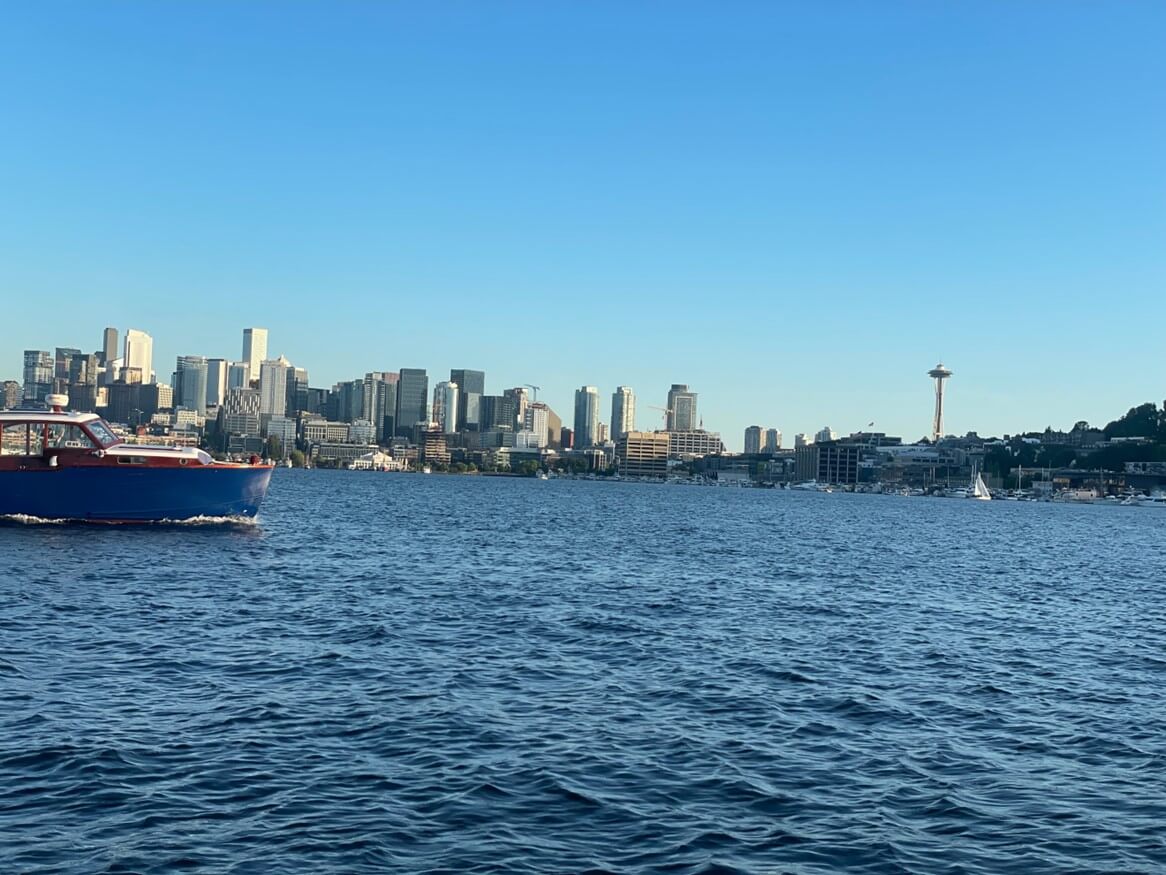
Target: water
x=439, y=674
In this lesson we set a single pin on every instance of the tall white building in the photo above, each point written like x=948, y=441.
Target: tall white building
x=216, y=382
x=445, y=406
x=273, y=377
x=254, y=351
x=586, y=417
x=772, y=441
x=826, y=434
x=139, y=353
x=623, y=411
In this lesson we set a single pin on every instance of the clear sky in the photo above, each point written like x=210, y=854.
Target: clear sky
x=795, y=208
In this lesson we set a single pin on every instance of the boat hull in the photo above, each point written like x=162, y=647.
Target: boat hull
x=107, y=494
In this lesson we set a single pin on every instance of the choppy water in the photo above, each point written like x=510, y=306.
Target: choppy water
x=437, y=674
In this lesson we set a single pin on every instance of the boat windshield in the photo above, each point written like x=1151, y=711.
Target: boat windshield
x=101, y=433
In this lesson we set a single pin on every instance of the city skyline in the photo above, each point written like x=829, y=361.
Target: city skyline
x=716, y=200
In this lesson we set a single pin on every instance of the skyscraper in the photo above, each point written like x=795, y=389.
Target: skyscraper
x=412, y=400
x=108, y=346
x=139, y=354
x=190, y=383
x=772, y=441
x=681, y=409
x=586, y=417
x=753, y=440
x=471, y=386
x=273, y=377
x=238, y=376
x=497, y=413
x=445, y=404
x=623, y=411
x=216, y=382
x=38, y=374
x=254, y=351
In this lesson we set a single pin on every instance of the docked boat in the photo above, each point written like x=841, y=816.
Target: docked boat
x=71, y=466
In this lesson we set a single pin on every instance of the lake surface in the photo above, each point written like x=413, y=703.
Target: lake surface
x=398, y=673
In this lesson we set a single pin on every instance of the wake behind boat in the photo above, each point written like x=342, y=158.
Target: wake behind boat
x=57, y=465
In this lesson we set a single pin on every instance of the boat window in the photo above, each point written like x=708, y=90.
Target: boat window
x=61, y=435
x=22, y=439
x=101, y=433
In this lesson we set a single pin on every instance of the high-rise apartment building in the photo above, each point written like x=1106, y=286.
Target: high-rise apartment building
x=139, y=354
x=39, y=367
x=191, y=374
x=586, y=429
x=623, y=411
x=445, y=406
x=537, y=421
x=682, y=409
x=772, y=441
x=254, y=351
x=471, y=387
x=753, y=440
x=412, y=400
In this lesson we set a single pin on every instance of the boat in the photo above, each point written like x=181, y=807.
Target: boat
x=979, y=490
x=1155, y=499
x=60, y=465
x=1077, y=496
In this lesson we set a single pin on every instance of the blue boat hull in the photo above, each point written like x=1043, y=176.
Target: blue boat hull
x=107, y=494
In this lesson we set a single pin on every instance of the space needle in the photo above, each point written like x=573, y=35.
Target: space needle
x=939, y=373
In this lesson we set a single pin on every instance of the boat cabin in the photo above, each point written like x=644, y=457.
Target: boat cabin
x=43, y=438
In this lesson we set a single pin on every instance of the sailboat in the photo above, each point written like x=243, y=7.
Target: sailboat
x=978, y=489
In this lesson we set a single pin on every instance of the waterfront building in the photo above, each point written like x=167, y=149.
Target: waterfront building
x=834, y=462
x=273, y=377
x=623, y=411
x=432, y=448
x=12, y=394
x=412, y=400
x=586, y=429
x=693, y=444
x=753, y=440
x=642, y=454
x=284, y=429
x=216, y=381
x=254, y=351
x=38, y=374
x=772, y=441
x=681, y=411
x=471, y=387
x=191, y=373
x=320, y=431
x=445, y=406
x=139, y=354
x=362, y=432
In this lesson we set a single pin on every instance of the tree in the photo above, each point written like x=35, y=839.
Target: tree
x=274, y=448
x=297, y=458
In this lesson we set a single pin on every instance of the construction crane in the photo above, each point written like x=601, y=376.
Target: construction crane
x=533, y=389
x=665, y=412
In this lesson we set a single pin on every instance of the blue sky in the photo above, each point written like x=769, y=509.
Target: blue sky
x=795, y=208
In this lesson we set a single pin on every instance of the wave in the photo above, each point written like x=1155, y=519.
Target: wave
x=24, y=519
